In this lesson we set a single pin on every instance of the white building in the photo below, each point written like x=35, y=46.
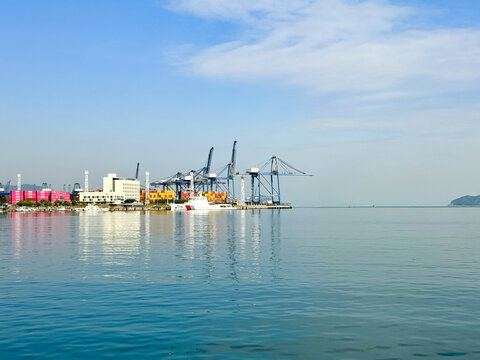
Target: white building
x=115, y=190
x=100, y=197
x=129, y=187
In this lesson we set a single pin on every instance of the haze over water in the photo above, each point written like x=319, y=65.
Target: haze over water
x=296, y=284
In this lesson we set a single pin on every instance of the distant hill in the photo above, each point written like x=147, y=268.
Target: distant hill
x=466, y=201
x=25, y=187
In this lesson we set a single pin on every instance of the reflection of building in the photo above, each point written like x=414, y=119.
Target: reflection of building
x=38, y=232
x=115, y=190
x=111, y=239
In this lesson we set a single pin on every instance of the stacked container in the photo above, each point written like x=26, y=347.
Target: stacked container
x=43, y=195
x=56, y=195
x=17, y=195
x=161, y=195
x=184, y=195
x=216, y=196
x=158, y=195
x=66, y=197
x=30, y=196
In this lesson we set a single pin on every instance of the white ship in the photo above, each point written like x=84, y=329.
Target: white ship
x=198, y=202
x=91, y=208
x=24, y=209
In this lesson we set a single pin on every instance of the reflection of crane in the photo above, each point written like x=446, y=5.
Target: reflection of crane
x=265, y=180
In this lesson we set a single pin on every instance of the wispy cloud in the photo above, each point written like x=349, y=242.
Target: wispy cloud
x=329, y=46
x=240, y=10
x=442, y=122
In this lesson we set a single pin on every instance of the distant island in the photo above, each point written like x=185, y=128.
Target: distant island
x=467, y=200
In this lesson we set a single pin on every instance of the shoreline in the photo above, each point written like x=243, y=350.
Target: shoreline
x=156, y=207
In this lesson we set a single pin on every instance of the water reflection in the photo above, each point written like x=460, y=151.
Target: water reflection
x=370, y=298
x=32, y=232
x=228, y=244
x=112, y=240
x=232, y=250
x=33, y=236
x=255, y=242
x=275, y=244
x=209, y=245
x=238, y=246
x=196, y=235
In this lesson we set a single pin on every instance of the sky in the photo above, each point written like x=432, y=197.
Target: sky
x=378, y=99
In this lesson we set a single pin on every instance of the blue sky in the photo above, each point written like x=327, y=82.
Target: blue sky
x=379, y=99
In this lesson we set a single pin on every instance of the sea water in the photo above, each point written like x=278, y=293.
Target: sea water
x=266, y=284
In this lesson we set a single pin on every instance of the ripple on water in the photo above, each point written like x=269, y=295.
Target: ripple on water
x=305, y=284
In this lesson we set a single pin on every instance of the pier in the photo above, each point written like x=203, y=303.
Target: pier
x=263, y=206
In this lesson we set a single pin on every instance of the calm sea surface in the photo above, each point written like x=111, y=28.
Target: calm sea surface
x=291, y=284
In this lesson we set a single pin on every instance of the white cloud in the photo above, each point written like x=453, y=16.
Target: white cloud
x=240, y=10
x=451, y=123
x=331, y=46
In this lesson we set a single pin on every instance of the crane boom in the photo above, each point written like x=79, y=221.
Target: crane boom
x=231, y=164
x=209, y=162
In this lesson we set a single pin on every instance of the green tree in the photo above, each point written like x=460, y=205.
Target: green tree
x=25, y=203
x=44, y=203
x=129, y=201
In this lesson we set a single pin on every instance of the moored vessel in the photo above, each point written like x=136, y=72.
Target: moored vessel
x=198, y=202
x=91, y=208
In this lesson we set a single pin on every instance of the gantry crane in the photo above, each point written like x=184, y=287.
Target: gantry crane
x=224, y=179
x=265, y=180
x=180, y=181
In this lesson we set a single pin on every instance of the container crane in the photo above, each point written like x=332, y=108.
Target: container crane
x=5, y=189
x=209, y=177
x=265, y=180
x=203, y=178
x=77, y=188
x=180, y=181
x=226, y=176
x=136, y=173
